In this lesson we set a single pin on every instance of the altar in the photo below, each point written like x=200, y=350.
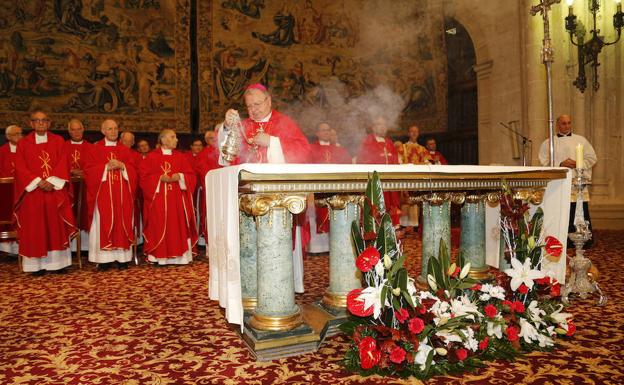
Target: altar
x=249, y=218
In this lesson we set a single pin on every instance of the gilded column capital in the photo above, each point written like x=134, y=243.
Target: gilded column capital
x=476, y=198
x=340, y=201
x=260, y=204
x=436, y=198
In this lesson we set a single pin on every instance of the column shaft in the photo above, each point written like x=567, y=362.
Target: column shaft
x=436, y=227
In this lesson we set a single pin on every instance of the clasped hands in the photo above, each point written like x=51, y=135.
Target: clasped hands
x=45, y=185
x=169, y=179
x=569, y=163
x=261, y=139
x=115, y=164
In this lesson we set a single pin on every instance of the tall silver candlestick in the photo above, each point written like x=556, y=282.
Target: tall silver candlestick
x=580, y=282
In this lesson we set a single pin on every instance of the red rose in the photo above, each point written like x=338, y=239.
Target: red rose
x=401, y=315
x=571, y=329
x=397, y=355
x=456, y=272
x=368, y=259
x=484, y=343
x=553, y=246
x=555, y=290
x=512, y=333
x=490, y=311
x=369, y=354
x=356, y=306
x=518, y=307
x=416, y=325
x=523, y=289
x=461, y=354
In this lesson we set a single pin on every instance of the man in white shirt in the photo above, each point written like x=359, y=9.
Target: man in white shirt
x=565, y=154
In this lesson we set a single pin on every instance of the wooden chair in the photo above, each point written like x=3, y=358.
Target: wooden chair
x=8, y=232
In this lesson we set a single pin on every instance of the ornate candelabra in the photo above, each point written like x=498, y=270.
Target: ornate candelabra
x=580, y=281
x=588, y=51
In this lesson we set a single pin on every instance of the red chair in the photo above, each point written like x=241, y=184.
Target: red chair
x=8, y=231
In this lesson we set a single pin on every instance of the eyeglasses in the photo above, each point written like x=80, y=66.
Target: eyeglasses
x=256, y=105
x=46, y=120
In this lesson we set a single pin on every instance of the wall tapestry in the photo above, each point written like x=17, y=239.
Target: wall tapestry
x=326, y=59
x=96, y=59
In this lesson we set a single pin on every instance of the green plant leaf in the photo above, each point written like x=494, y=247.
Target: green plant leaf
x=386, y=238
x=374, y=197
x=408, y=298
x=356, y=237
x=445, y=263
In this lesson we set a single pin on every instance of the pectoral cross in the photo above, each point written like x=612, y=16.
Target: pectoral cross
x=45, y=163
x=166, y=169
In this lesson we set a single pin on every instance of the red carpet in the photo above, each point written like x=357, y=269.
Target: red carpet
x=150, y=325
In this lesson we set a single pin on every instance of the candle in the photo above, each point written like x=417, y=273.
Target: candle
x=579, y=156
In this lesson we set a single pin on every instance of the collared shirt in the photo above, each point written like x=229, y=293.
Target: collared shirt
x=109, y=143
x=166, y=151
x=74, y=142
x=12, y=147
x=40, y=139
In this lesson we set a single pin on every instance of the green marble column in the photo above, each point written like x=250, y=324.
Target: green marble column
x=436, y=227
x=473, y=235
x=276, y=308
x=248, y=260
x=344, y=276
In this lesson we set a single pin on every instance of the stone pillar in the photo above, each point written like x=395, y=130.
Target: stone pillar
x=276, y=308
x=344, y=276
x=436, y=226
x=473, y=235
x=248, y=260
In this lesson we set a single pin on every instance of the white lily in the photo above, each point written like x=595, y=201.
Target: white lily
x=448, y=337
x=471, y=343
x=464, y=271
x=528, y=331
x=494, y=329
x=422, y=354
x=545, y=341
x=372, y=297
x=559, y=317
x=379, y=268
x=462, y=306
x=522, y=273
x=535, y=312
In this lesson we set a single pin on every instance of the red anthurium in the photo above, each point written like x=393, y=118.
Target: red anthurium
x=401, y=315
x=523, y=289
x=369, y=354
x=543, y=281
x=368, y=259
x=553, y=246
x=461, y=354
x=571, y=329
x=490, y=310
x=397, y=355
x=416, y=325
x=356, y=305
x=555, y=290
x=456, y=272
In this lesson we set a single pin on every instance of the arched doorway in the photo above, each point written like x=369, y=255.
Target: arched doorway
x=460, y=141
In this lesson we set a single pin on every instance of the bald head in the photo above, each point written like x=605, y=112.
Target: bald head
x=13, y=134
x=564, y=124
x=110, y=130
x=75, y=129
x=127, y=139
x=210, y=138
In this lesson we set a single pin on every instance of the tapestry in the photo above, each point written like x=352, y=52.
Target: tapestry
x=127, y=60
x=326, y=60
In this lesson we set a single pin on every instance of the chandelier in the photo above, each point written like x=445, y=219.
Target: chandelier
x=588, y=50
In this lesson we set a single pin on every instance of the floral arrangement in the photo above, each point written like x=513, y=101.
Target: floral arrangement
x=458, y=323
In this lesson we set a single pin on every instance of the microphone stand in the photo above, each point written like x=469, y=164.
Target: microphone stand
x=525, y=140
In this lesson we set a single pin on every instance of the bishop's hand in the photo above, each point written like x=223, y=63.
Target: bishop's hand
x=262, y=139
x=231, y=116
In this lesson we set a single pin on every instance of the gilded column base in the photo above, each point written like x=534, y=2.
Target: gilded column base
x=481, y=274
x=250, y=304
x=335, y=300
x=276, y=323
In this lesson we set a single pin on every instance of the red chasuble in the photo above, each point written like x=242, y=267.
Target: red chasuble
x=75, y=158
x=44, y=218
x=7, y=161
x=327, y=154
x=206, y=160
x=294, y=144
x=170, y=220
x=114, y=196
x=374, y=152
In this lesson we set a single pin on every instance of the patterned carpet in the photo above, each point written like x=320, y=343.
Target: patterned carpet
x=150, y=325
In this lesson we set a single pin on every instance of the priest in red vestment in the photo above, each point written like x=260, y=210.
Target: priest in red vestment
x=435, y=156
x=45, y=221
x=207, y=159
x=8, y=153
x=376, y=148
x=323, y=151
x=268, y=136
x=111, y=176
x=168, y=182
x=76, y=148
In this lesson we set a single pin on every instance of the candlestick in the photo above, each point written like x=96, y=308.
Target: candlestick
x=579, y=156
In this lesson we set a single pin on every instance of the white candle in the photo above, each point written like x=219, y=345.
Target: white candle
x=579, y=156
